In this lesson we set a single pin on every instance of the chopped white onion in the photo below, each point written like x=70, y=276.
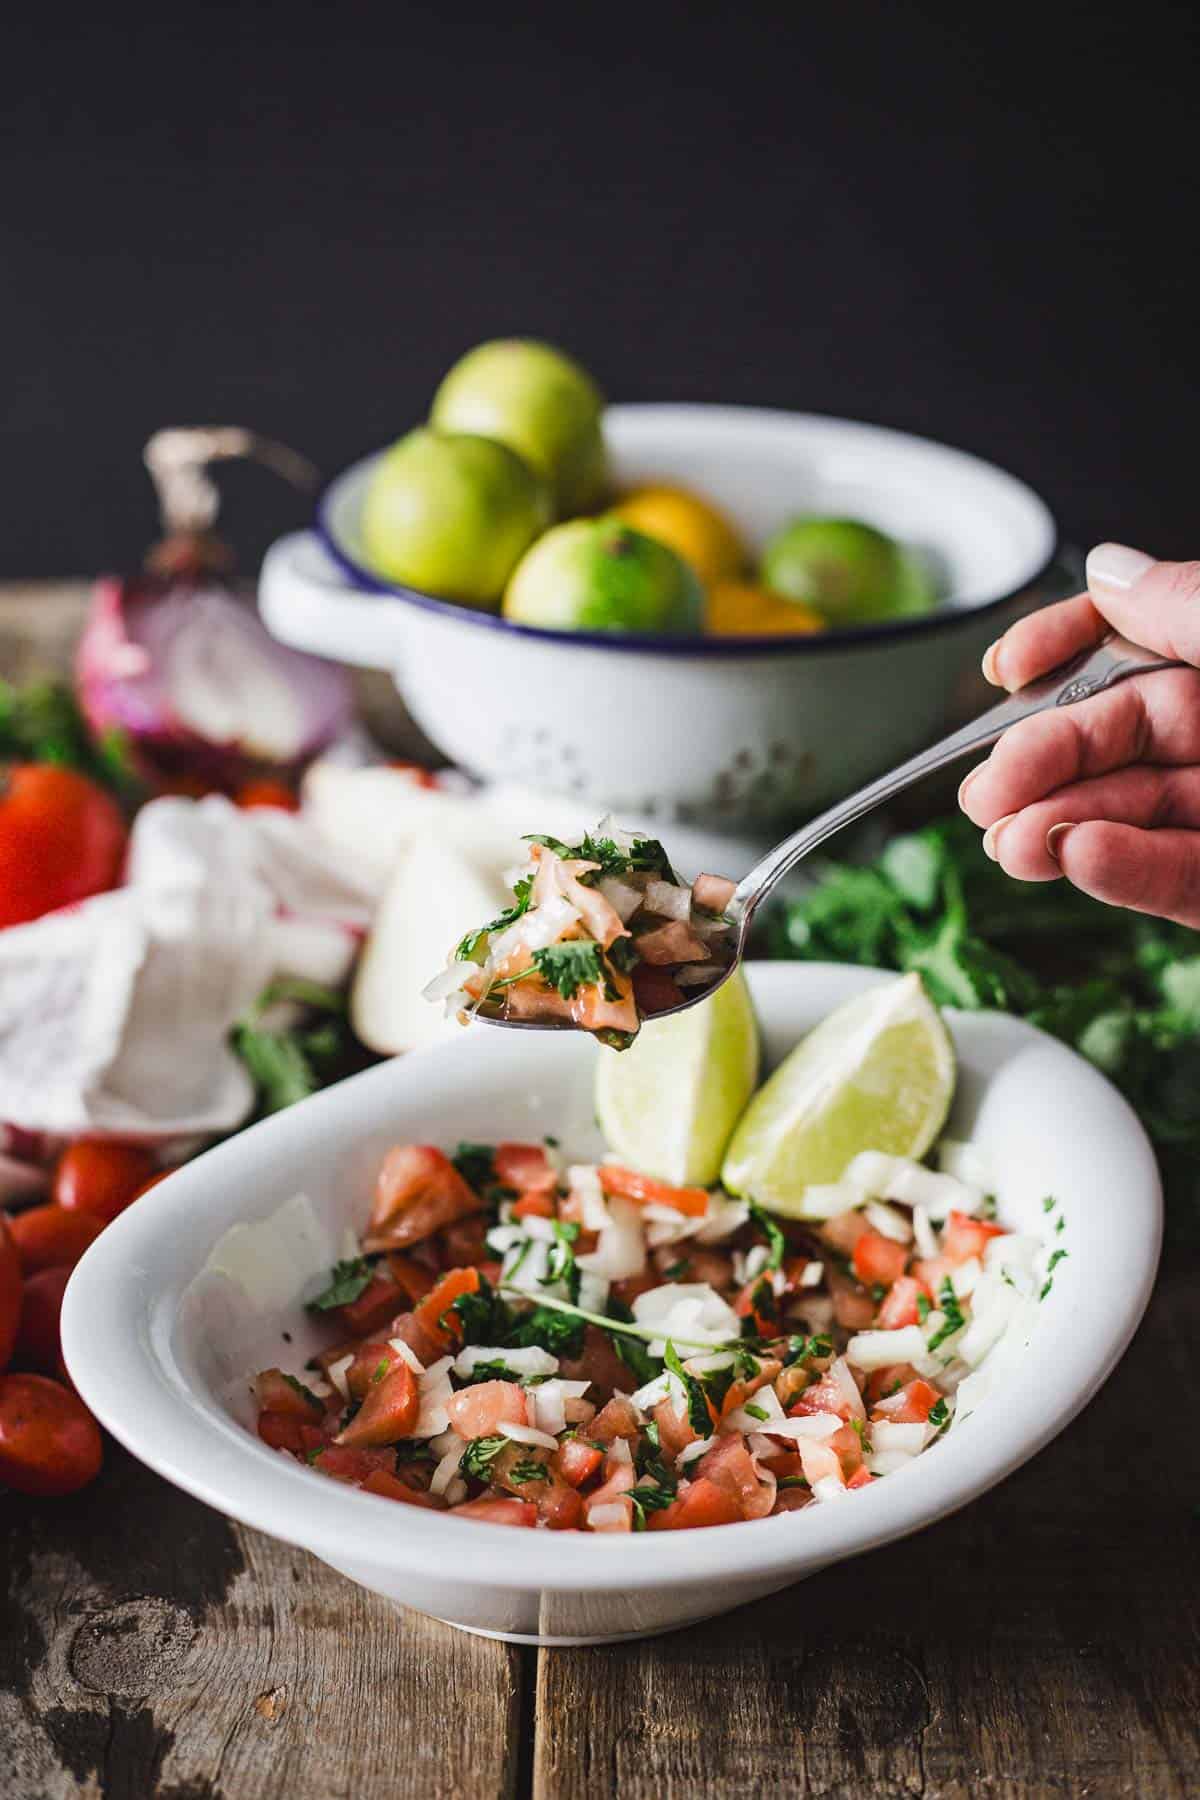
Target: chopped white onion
x=812, y=1275
x=549, y=1400
x=623, y=899
x=527, y=1434
x=887, y=1462
x=667, y=900
x=690, y=1310
x=888, y=1222
x=593, y=1291
x=692, y=1452
x=826, y=1199
x=805, y=1425
x=528, y=1360
x=909, y=1439
x=448, y=981
x=447, y=1468
x=610, y=1515
x=407, y=1354
x=878, y=1349
x=621, y=1251
x=899, y=1178
x=723, y=1218
x=663, y=1387
x=337, y=1374
x=964, y=1161
x=924, y=1235
x=828, y=1488
x=583, y=1183
x=964, y=1279
x=747, y=1264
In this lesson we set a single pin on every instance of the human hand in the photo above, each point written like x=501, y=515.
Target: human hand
x=1106, y=792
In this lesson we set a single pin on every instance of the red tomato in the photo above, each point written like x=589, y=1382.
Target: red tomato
x=266, y=792
x=692, y=1201
x=878, y=1259
x=900, y=1305
x=525, y=1167
x=10, y=1292
x=480, y=1410
x=730, y=1465
x=560, y=1508
x=703, y=1504
x=281, y=1431
x=414, y=1279
x=50, y=1236
x=963, y=1238
x=911, y=1406
x=351, y=1465
x=534, y=1204
x=49, y=1441
x=276, y=1394
x=862, y=1477
x=429, y=1314
x=62, y=838
x=379, y=1302
x=390, y=1487
x=101, y=1178
x=388, y=1412
x=498, y=1512
x=654, y=989
x=577, y=1461
x=41, y=1307
x=418, y=1191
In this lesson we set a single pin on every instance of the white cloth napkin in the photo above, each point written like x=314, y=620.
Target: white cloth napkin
x=115, y=1014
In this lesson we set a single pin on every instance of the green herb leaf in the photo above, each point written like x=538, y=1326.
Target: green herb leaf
x=346, y=1282
x=571, y=965
x=776, y=1241
x=699, y=1417
x=476, y=1164
x=953, y=1321
x=477, y=1459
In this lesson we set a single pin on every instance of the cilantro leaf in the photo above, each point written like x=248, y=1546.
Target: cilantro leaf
x=775, y=1239
x=571, y=965
x=477, y=1459
x=953, y=1320
x=699, y=1417
x=346, y=1282
x=476, y=1164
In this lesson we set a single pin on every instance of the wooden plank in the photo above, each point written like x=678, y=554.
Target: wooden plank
x=151, y=1650
x=1042, y=1642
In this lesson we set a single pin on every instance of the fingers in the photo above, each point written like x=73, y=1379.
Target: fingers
x=1035, y=645
x=1145, y=797
x=1151, y=719
x=1157, y=604
x=1148, y=871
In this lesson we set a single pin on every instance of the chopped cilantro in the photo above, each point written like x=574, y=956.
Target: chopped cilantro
x=476, y=1164
x=939, y=1415
x=987, y=1207
x=791, y=1481
x=699, y=1417
x=346, y=1282
x=776, y=1242
x=802, y=1349
x=953, y=1321
x=676, y=1270
x=477, y=1459
x=551, y=1142
x=1061, y=1224
x=1049, y=1203
x=380, y=1370
x=756, y=1412
x=631, y=1350
x=475, y=941
x=1055, y=1258
x=922, y=1308
x=560, y=1262
x=548, y=1329
x=528, y=1469
x=482, y=1316
x=568, y=966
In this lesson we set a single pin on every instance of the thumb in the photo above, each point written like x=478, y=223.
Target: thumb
x=1156, y=604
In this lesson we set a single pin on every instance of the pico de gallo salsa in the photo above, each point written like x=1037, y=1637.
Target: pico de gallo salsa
x=600, y=935
x=543, y=1344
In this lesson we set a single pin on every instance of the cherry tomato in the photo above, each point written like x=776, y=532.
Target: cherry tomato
x=41, y=1307
x=49, y=1441
x=48, y=1236
x=265, y=792
x=101, y=1178
x=61, y=839
x=10, y=1292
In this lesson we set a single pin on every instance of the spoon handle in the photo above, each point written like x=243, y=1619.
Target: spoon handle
x=1113, y=660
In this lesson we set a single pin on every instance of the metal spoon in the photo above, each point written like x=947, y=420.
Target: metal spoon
x=1113, y=660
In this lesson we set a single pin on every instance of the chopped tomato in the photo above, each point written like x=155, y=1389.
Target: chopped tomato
x=731, y=1466
x=559, y=1507
x=693, y=1201
x=101, y=1178
x=276, y=1393
x=390, y=1487
x=433, y=1314
x=461, y=1243
x=843, y=1231
x=389, y=1411
x=62, y=838
x=351, y=1465
x=417, y=1192
x=618, y=1419
x=10, y=1292
x=702, y=1503
x=757, y=1302
x=49, y=1236
x=963, y=1238
x=413, y=1278
x=825, y=1396
x=372, y=1361
x=878, y=1259
x=379, y=1302
x=911, y=1406
x=598, y=1362
x=265, y=792
x=525, y=1167
x=862, y=1477
x=492, y=1510
x=846, y=1445
x=655, y=989
x=900, y=1306
x=535, y=1204
x=852, y=1308
x=282, y=1431
x=479, y=1411
x=577, y=1461
x=881, y=1382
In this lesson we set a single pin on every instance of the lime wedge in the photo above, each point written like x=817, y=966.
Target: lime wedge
x=668, y=1104
x=877, y=1074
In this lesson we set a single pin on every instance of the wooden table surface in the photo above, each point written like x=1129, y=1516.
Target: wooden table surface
x=1045, y=1641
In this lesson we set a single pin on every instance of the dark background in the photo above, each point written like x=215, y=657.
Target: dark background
x=295, y=217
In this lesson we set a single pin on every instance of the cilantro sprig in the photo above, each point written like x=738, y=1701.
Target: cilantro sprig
x=346, y=1282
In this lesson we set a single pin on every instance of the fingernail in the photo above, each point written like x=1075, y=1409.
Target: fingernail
x=1116, y=567
x=966, y=781
x=1054, y=840
x=992, y=833
x=991, y=669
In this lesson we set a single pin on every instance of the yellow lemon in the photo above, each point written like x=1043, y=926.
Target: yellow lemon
x=739, y=609
x=687, y=524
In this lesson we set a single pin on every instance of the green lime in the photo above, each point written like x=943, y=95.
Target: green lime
x=669, y=1103
x=600, y=575
x=877, y=1074
x=539, y=402
x=851, y=573
x=452, y=515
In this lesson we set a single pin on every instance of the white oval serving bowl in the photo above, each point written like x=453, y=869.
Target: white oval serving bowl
x=752, y=729
x=162, y=1344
